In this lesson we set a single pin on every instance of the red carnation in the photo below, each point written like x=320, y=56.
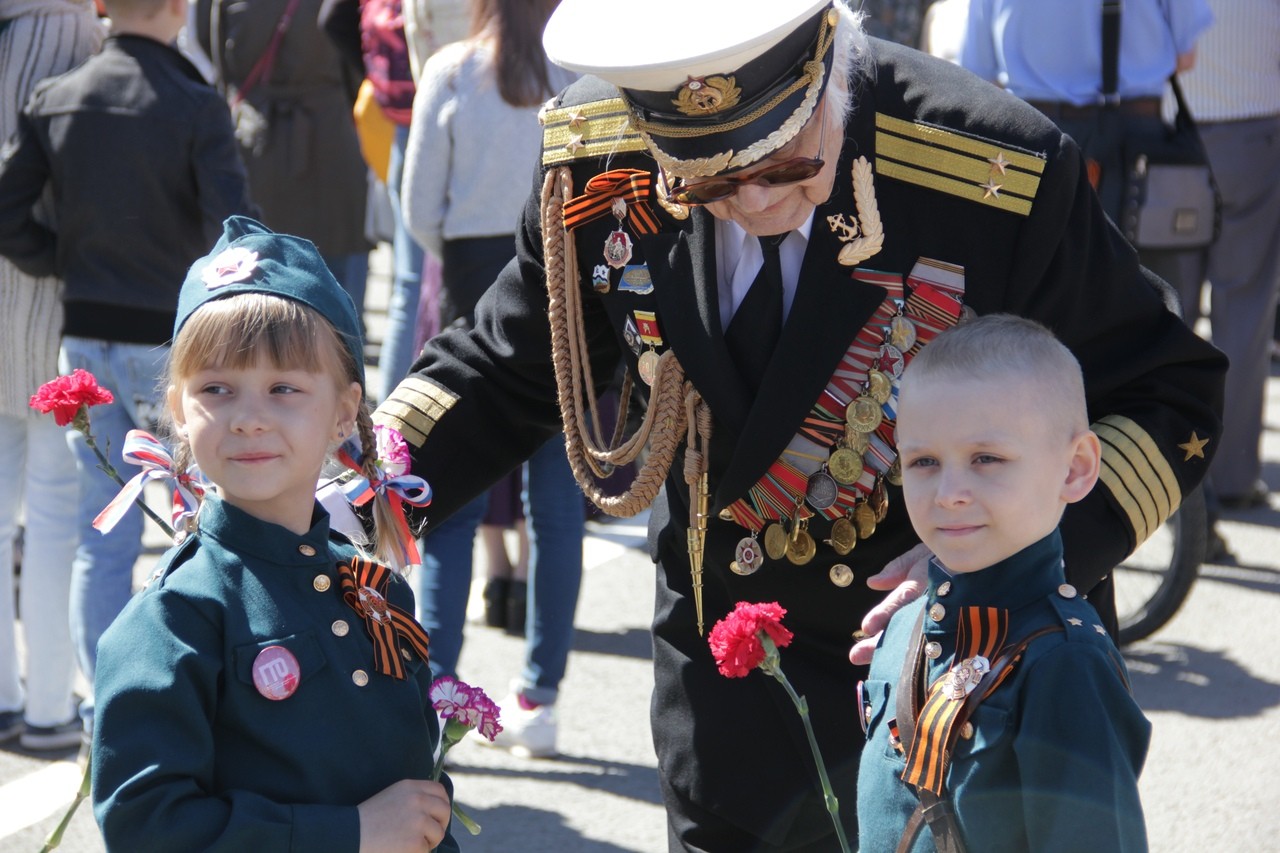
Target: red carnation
x=735, y=639
x=66, y=395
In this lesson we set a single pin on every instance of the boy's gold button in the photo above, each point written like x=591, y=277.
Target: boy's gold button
x=933, y=650
x=937, y=612
x=944, y=588
x=306, y=550
x=966, y=731
x=360, y=677
x=340, y=627
x=1067, y=591
x=321, y=583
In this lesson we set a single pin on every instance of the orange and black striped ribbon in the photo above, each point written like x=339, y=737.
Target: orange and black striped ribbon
x=364, y=587
x=982, y=632
x=630, y=185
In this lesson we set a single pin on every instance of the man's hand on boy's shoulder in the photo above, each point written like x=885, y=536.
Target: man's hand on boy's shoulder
x=906, y=577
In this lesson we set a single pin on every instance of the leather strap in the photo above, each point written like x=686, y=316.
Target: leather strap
x=934, y=811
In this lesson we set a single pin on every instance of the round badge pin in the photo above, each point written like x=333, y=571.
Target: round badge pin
x=276, y=673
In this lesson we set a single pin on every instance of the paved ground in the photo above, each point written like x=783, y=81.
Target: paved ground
x=1208, y=681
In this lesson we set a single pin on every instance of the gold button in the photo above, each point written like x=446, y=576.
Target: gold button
x=306, y=550
x=404, y=653
x=937, y=612
x=726, y=515
x=866, y=713
x=841, y=575
x=944, y=588
x=933, y=650
x=360, y=677
x=1067, y=591
x=966, y=731
x=340, y=627
x=321, y=583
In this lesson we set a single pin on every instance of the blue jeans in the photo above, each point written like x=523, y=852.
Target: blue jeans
x=555, y=512
x=352, y=273
x=102, y=572
x=406, y=283
x=42, y=474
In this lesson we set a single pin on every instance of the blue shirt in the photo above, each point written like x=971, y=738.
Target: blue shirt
x=1051, y=50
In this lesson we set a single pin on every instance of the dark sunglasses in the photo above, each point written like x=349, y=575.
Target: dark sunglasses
x=793, y=171
x=719, y=188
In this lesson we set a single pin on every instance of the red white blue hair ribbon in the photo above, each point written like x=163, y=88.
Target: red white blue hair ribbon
x=144, y=449
x=392, y=481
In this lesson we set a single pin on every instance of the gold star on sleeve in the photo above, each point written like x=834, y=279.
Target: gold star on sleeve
x=1194, y=446
x=991, y=189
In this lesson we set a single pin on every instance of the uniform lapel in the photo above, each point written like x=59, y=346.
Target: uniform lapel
x=691, y=315
x=829, y=310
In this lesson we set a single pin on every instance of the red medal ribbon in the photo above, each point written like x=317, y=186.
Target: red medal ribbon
x=364, y=587
x=630, y=185
x=982, y=632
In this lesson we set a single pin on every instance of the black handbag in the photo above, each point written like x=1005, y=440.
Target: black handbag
x=1171, y=201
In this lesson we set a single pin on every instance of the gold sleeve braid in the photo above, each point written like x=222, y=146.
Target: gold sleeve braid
x=1137, y=475
x=414, y=408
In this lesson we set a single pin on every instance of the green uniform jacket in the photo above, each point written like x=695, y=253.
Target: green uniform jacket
x=188, y=755
x=1054, y=758
x=480, y=400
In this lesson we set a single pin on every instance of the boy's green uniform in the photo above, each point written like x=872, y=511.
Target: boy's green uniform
x=1052, y=758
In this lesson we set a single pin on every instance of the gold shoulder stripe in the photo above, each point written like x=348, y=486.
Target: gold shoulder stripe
x=414, y=408
x=949, y=162
x=1137, y=474
x=594, y=129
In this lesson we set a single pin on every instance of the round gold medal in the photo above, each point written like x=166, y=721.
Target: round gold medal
x=841, y=575
x=801, y=548
x=775, y=541
x=845, y=466
x=843, y=536
x=647, y=366
x=864, y=519
x=864, y=414
x=879, y=386
x=902, y=333
x=879, y=501
x=856, y=441
x=894, y=474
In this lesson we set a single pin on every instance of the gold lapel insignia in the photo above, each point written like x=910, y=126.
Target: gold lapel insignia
x=864, y=236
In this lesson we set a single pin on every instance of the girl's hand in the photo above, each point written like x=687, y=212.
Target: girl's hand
x=907, y=576
x=408, y=817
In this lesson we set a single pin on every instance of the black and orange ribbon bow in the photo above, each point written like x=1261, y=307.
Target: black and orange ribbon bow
x=364, y=587
x=630, y=185
x=978, y=639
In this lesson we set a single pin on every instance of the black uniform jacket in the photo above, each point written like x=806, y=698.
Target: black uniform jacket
x=1036, y=245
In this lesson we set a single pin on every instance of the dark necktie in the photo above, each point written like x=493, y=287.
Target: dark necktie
x=757, y=324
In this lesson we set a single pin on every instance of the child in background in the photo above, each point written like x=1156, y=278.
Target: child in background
x=269, y=689
x=997, y=710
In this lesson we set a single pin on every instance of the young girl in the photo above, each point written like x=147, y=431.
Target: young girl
x=269, y=689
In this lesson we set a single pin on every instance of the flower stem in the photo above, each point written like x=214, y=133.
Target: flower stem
x=802, y=706
x=465, y=820
x=107, y=468
x=55, y=837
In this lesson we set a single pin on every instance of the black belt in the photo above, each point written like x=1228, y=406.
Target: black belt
x=1060, y=110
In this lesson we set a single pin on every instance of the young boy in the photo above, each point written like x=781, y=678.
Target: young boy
x=139, y=158
x=997, y=710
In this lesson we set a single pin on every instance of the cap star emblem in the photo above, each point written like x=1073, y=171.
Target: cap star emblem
x=1194, y=447
x=998, y=162
x=232, y=265
x=991, y=189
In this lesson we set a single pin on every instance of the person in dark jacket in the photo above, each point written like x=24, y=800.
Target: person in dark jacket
x=138, y=154
x=904, y=193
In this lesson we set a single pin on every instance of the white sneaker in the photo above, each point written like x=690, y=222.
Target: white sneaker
x=525, y=734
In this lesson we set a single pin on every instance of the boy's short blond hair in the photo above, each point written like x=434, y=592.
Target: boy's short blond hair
x=1004, y=346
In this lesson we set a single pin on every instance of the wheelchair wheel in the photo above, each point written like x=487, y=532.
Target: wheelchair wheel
x=1155, y=580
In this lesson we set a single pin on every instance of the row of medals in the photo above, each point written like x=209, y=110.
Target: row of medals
x=844, y=466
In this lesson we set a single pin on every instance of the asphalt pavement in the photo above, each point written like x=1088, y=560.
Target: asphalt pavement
x=1207, y=680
